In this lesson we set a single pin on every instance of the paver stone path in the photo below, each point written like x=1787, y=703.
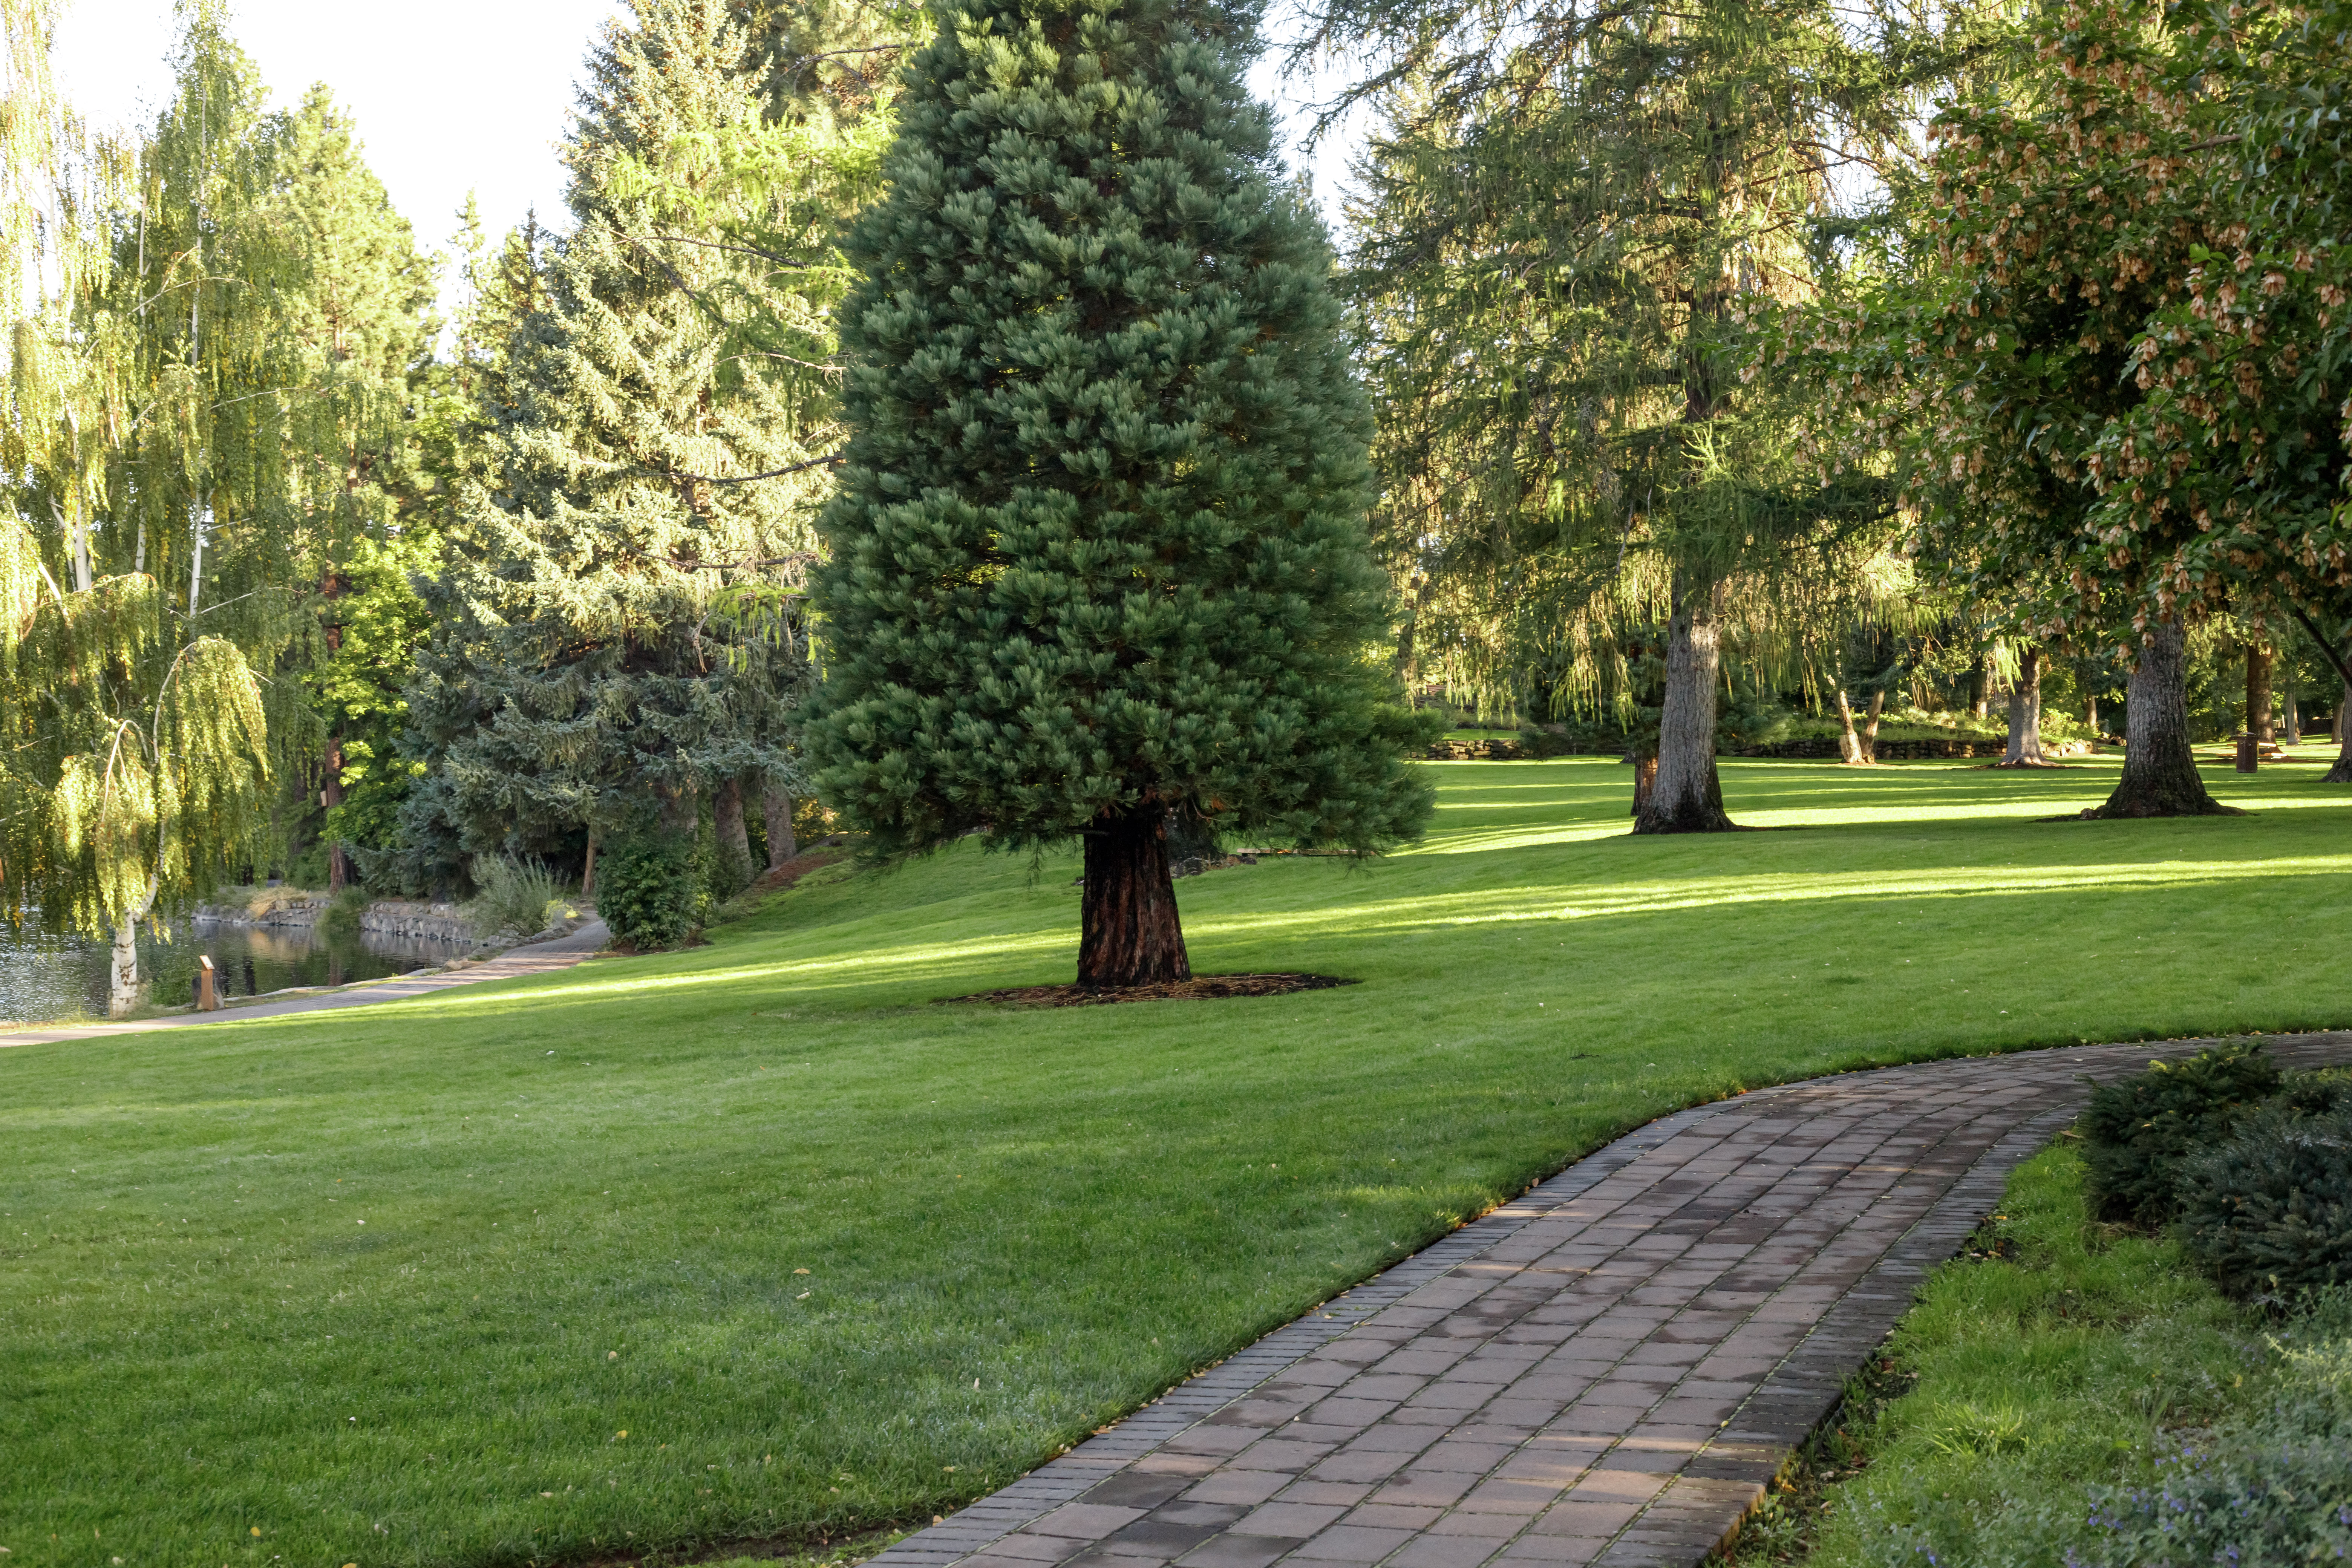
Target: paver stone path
x=1609, y=1369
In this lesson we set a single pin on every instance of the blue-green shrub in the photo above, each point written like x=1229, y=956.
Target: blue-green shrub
x=2137, y=1133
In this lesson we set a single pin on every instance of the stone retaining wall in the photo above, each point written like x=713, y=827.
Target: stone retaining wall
x=394, y=917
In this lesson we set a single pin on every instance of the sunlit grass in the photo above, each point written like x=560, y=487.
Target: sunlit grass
x=587, y=1195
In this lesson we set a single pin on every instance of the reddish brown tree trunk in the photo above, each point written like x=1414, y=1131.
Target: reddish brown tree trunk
x=1645, y=776
x=1129, y=934
x=2161, y=776
x=330, y=796
x=2258, y=693
x=777, y=806
x=1688, y=795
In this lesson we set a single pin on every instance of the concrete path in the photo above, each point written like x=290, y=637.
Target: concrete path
x=539, y=958
x=1607, y=1369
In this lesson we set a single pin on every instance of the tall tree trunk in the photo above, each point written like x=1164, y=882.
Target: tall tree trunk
x=734, y=838
x=1128, y=930
x=2341, y=772
x=124, y=991
x=2091, y=715
x=2025, y=714
x=1870, y=725
x=330, y=796
x=2160, y=775
x=778, y=807
x=588, y=866
x=1688, y=795
x=2258, y=693
x=2293, y=710
x=1850, y=750
x=1977, y=704
x=680, y=813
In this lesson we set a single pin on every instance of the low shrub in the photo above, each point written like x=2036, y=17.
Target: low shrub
x=2137, y=1133
x=511, y=897
x=649, y=890
x=342, y=917
x=2269, y=1212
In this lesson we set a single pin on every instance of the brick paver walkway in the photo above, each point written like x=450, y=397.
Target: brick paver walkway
x=1607, y=1369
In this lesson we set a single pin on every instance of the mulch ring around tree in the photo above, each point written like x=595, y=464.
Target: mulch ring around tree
x=1200, y=988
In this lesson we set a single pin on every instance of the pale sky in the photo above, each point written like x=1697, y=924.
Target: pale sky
x=449, y=95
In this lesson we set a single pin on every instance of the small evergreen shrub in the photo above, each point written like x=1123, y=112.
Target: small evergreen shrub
x=2269, y=1212
x=511, y=897
x=649, y=889
x=2137, y=1133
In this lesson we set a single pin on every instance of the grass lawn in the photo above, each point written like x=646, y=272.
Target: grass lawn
x=752, y=1241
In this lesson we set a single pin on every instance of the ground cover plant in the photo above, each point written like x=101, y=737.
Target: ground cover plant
x=2070, y=1392
x=512, y=1273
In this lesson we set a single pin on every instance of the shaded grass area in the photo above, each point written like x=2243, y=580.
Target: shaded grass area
x=752, y=1242
x=2062, y=1355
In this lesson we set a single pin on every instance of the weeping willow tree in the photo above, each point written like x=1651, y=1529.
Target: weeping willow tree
x=1569, y=216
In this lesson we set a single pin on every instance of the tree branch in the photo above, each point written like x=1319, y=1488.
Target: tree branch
x=832, y=457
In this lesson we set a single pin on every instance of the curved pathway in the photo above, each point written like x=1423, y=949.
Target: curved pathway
x=538, y=958
x=1609, y=1369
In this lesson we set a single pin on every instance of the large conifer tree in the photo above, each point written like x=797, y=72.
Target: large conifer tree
x=1098, y=555
x=617, y=630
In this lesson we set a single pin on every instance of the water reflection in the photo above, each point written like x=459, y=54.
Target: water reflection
x=47, y=977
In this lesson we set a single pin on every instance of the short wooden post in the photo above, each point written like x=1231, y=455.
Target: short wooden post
x=2247, y=760
x=207, y=993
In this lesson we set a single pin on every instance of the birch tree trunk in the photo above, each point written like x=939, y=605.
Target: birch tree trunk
x=2161, y=776
x=124, y=991
x=2025, y=714
x=1688, y=795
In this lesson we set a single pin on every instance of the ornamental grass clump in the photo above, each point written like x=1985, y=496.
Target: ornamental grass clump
x=2136, y=1133
x=513, y=897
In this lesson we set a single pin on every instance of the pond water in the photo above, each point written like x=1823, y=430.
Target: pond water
x=49, y=977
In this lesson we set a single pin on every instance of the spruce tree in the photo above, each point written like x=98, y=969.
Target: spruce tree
x=618, y=635
x=1098, y=553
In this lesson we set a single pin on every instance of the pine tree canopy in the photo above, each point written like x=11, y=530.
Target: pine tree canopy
x=1098, y=551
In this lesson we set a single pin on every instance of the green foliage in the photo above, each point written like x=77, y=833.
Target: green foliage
x=651, y=892
x=2138, y=1131
x=512, y=897
x=617, y=613
x=2269, y=1212
x=1099, y=546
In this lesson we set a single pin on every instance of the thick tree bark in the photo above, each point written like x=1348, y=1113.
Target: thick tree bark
x=2341, y=771
x=1688, y=795
x=1645, y=776
x=1870, y=725
x=2025, y=714
x=778, y=808
x=2258, y=693
x=1128, y=930
x=2160, y=775
x=1850, y=750
x=734, y=837
x=330, y=796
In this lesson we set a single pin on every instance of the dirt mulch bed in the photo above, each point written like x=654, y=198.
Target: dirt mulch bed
x=1200, y=988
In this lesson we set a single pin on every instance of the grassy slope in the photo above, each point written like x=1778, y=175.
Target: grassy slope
x=585, y=1197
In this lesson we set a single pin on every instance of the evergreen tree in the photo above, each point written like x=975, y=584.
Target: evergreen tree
x=1572, y=212
x=1098, y=553
x=616, y=620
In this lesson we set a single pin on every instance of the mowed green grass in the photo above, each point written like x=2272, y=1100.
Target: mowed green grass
x=389, y=1286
